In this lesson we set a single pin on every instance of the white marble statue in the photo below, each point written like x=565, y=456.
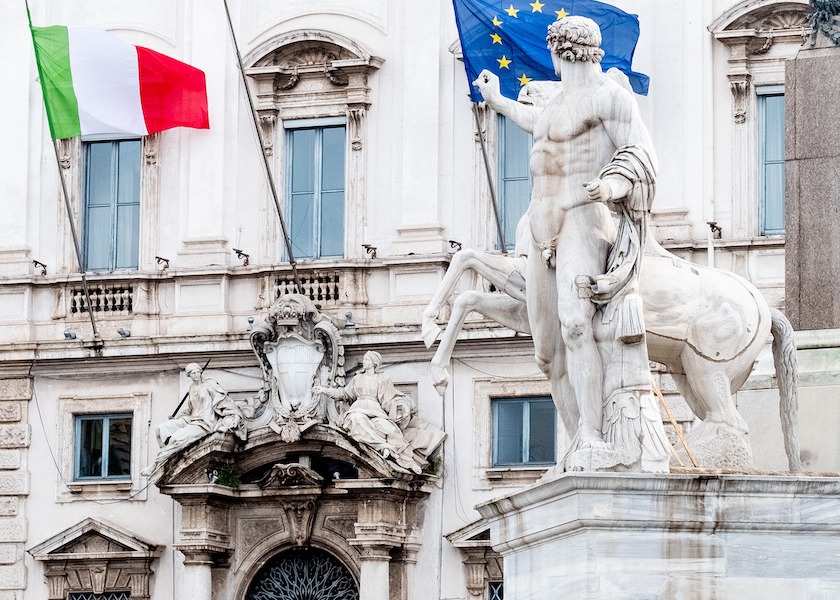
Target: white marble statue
x=575, y=136
x=208, y=408
x=380, y=416
x=705, y=325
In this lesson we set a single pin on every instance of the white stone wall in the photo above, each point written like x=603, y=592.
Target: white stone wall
x=424, y=187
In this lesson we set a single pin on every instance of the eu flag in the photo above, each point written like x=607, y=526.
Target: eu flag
x=507, y=37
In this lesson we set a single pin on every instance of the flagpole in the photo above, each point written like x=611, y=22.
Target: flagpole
x=496, y=213
x=269, y=175
x=76, y=246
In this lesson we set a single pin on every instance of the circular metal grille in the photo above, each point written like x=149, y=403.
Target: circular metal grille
x=303, y=574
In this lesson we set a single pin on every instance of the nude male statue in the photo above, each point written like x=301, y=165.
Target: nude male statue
x=575, y=135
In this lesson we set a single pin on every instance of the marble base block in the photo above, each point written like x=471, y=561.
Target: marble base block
x=676, y=536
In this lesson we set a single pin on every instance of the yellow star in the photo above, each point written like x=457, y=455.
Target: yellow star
x=497, y=39
x=561, y=14
x=536, y=6
x=512, y=11
x=503, y=62
x=496, y=21
x=523, y=80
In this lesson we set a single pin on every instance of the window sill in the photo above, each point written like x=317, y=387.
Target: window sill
x=98, y=490
x=514, y=476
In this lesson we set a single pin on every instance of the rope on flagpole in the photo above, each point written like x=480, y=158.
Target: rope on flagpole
x=97, y=341
x=269, y=175
x=496, y=213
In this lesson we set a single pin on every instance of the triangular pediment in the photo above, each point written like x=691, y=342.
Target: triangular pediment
x=93, y=538
x=476, y=534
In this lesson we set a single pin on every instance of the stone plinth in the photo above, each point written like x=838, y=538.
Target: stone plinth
x=812, y=188
x=642, y=536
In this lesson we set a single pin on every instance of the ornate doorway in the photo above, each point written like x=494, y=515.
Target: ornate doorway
x=303, y=574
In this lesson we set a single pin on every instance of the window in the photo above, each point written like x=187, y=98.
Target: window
x=514, y=177
x=771, y=160
x=495, y=590
x=105, y=596
x=315, y=178
x=103, y=447
x=111, y=219
x=523, y=431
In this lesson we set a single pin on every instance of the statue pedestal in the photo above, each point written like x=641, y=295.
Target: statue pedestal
x=642, y=536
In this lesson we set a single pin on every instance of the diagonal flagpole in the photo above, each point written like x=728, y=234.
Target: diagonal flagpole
x=492, y=187
x=268, y=172
x=96, y=339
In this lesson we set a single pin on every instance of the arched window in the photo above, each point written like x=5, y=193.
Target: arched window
x=303, y=574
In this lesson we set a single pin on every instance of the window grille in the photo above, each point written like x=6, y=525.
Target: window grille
x=105, y=596
x=301, y=574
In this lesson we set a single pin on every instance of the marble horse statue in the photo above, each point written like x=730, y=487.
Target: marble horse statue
x=705, y=325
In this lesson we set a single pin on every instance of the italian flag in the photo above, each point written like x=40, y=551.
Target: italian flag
x=95, y=84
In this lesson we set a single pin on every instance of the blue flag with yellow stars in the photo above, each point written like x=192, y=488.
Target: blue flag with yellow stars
x=507, y=37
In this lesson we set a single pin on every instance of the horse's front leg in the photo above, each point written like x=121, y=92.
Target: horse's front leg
x=460, y=263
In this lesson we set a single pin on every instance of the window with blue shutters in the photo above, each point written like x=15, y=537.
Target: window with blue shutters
x=771, y=160
x=103, y=447
x=524, y=431
x=514, y=177
x=111, y=219
x=315, y=187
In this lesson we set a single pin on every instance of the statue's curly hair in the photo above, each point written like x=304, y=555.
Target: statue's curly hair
x=575, y=39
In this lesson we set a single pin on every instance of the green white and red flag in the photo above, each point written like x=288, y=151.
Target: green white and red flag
x=95, y=84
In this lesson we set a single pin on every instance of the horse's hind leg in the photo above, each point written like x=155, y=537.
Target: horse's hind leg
x=721, y=441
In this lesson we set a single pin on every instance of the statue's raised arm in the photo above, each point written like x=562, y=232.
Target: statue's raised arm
x=523, y=115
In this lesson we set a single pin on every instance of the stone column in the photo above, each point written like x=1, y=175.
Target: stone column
x=812, y=181
x=198, y=577
x=14, y=483
x=374, y=572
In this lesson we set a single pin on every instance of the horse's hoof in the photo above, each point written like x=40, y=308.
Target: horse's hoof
x=440, y=379
x=430, y=332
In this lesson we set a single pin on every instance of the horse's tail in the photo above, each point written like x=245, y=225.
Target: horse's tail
x=784, y=359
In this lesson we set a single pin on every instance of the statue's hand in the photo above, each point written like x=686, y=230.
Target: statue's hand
x=598, y=190
x=487, y=83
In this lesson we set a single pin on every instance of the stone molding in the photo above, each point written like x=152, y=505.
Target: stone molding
x=95, y=556
x=485, y=476
x=759, y=35
x=70, y=158
x=139, y=405
x=701, y=534
x=314, y=74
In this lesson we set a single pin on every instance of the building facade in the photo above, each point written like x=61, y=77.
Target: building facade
x=363, y=115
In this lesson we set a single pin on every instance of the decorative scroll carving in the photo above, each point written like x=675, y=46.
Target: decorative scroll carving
x=268, y=122
x=300, y=515
x=65, y=153
x=150, y=148
x=355, y=121
x=291, y=474
x=740, y=86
